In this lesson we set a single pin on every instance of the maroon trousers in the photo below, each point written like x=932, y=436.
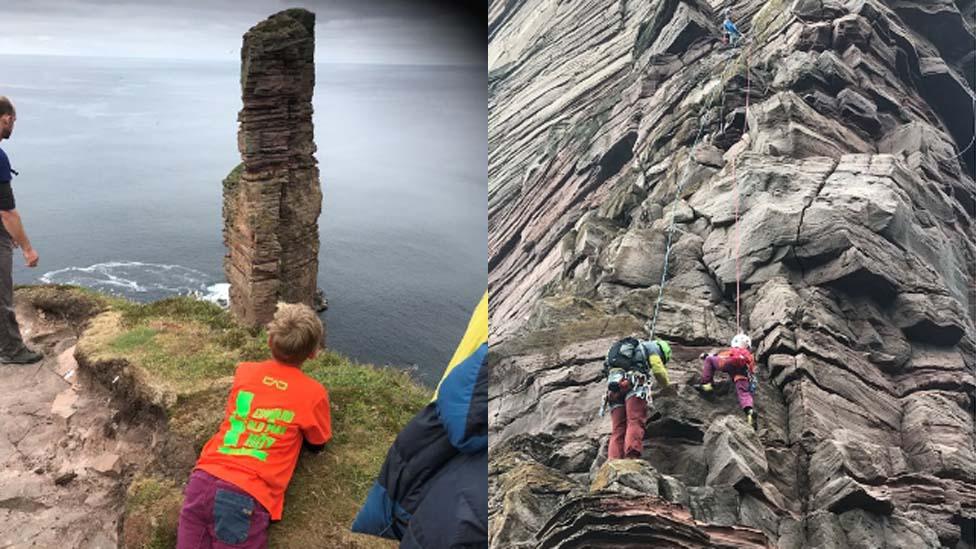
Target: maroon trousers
x=219, y=515
x=629, y=419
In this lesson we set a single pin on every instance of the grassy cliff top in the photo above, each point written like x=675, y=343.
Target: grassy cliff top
x=171, y=363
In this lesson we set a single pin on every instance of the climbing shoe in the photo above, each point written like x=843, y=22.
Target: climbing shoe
x=704, y=388
x=22, y=356
x=751, y=418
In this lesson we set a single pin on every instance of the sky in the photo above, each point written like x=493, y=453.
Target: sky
x=413, y=32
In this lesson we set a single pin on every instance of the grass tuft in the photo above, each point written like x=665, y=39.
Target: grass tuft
x=152, y=513
x=139, y=337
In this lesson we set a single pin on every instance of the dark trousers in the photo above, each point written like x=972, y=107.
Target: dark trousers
x=10, y=339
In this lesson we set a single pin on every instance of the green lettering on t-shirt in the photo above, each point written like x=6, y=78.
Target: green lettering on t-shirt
x=258, y=432
x=237, y=419
x=257, y=454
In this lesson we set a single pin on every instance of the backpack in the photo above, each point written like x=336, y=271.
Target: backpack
x=626, y=354
x=740, y=357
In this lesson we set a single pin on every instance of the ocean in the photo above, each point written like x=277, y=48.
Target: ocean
x=121, y=162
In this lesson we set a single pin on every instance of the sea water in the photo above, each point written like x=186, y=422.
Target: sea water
x=121, y=162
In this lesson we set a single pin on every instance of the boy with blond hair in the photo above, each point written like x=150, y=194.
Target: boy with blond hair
x=238, y=485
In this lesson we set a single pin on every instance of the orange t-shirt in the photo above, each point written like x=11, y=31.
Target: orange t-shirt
x=271, y=408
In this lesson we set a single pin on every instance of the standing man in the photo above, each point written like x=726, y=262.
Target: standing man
x=12, y=235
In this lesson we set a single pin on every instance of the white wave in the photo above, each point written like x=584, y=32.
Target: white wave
x=217, y=293
x=138, y=280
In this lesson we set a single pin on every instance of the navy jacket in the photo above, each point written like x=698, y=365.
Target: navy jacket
x=439, y=461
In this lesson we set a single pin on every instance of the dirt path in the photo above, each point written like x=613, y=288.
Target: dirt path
x=63, y=455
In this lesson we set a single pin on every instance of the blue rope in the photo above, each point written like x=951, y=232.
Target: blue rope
x=674, y=206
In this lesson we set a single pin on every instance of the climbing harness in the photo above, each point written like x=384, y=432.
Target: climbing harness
x=614, y=377
x=640, y=384
x=626, y=361
x=640, y=388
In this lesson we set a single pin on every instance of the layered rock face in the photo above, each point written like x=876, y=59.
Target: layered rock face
x=273, y=200
x=832, y=183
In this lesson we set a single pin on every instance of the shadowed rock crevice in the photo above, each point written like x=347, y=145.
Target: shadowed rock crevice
x=614, y=159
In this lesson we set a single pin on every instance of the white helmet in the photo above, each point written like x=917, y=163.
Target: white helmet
x=741, y=341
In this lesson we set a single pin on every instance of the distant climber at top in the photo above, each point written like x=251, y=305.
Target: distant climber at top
x=738, y=362
x=629, y=390
x=730, y=31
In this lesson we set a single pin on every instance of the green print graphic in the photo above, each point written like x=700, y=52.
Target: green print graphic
x=260, y=428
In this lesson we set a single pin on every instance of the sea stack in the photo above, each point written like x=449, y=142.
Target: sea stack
x=273, y=199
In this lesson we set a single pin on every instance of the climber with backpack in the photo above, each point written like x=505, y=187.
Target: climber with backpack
x=738, y=362
x=629, y=365
x=730, y=33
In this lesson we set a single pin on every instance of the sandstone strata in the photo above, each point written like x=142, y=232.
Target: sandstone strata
x=852, y=172
x=273, y=200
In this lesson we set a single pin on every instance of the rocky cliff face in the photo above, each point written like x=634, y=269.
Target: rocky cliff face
x=842, y=133
x=273, y=200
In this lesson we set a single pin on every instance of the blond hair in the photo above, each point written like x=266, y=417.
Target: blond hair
x=296, y=332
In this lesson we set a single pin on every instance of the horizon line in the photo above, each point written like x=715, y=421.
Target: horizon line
x=217, y=59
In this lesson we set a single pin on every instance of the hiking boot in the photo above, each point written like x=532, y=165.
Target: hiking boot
x=751, y=418
x=22, y=356
x=704, y=388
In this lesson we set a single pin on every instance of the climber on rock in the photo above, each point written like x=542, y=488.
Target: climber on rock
x=629, y=390
x=738, y=362
x=730, y=32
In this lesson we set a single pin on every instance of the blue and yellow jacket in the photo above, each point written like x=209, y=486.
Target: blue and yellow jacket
x=441, y=456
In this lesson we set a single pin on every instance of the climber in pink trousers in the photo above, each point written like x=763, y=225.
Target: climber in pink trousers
x=738, y=362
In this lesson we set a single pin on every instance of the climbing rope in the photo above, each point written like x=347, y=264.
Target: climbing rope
x=735, y=183
x=677, y=197
x=971, y=141
x=674, y=207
